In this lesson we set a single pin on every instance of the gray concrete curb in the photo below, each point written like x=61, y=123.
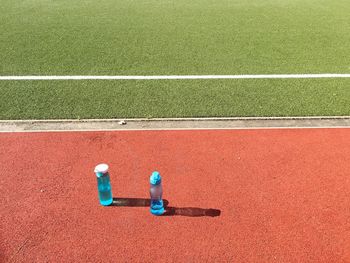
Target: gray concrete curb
x=174, y=123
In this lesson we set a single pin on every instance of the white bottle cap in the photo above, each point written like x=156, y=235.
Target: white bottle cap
x=101, y=168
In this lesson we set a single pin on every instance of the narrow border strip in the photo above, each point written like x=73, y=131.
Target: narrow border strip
x=178, y=77
x=174, y=124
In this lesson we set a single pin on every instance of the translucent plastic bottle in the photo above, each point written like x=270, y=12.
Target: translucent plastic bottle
x=156, y=191
x=103, y=184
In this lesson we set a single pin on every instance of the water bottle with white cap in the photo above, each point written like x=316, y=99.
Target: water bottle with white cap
x=156, y=191
x=103, y=184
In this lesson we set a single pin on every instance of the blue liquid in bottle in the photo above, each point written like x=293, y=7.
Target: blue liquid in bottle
x=104, y=184
x=157, y=207
x=156, y=192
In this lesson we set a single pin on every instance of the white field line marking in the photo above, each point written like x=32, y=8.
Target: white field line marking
x=187, y=119
x=264, y=76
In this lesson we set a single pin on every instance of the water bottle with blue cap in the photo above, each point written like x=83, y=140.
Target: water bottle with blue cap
x=156, y=191
x=103, y=184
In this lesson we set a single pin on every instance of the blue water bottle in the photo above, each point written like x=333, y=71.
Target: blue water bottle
x=156, y=191
x=103, y=184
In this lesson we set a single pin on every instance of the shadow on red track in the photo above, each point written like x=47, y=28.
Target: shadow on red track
x=191, y=211
x=169, y=210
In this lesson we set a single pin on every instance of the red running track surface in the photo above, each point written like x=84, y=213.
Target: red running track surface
x=283, y=196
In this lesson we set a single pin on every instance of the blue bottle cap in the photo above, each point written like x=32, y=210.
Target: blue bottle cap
x=155, y=178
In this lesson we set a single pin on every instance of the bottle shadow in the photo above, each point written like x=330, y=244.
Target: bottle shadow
x=191, y=211
x=169, y=210
x=134, y=202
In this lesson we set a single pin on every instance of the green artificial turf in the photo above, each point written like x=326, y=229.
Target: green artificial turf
x=174, y=37
x=199, y=37
x=191, y=98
